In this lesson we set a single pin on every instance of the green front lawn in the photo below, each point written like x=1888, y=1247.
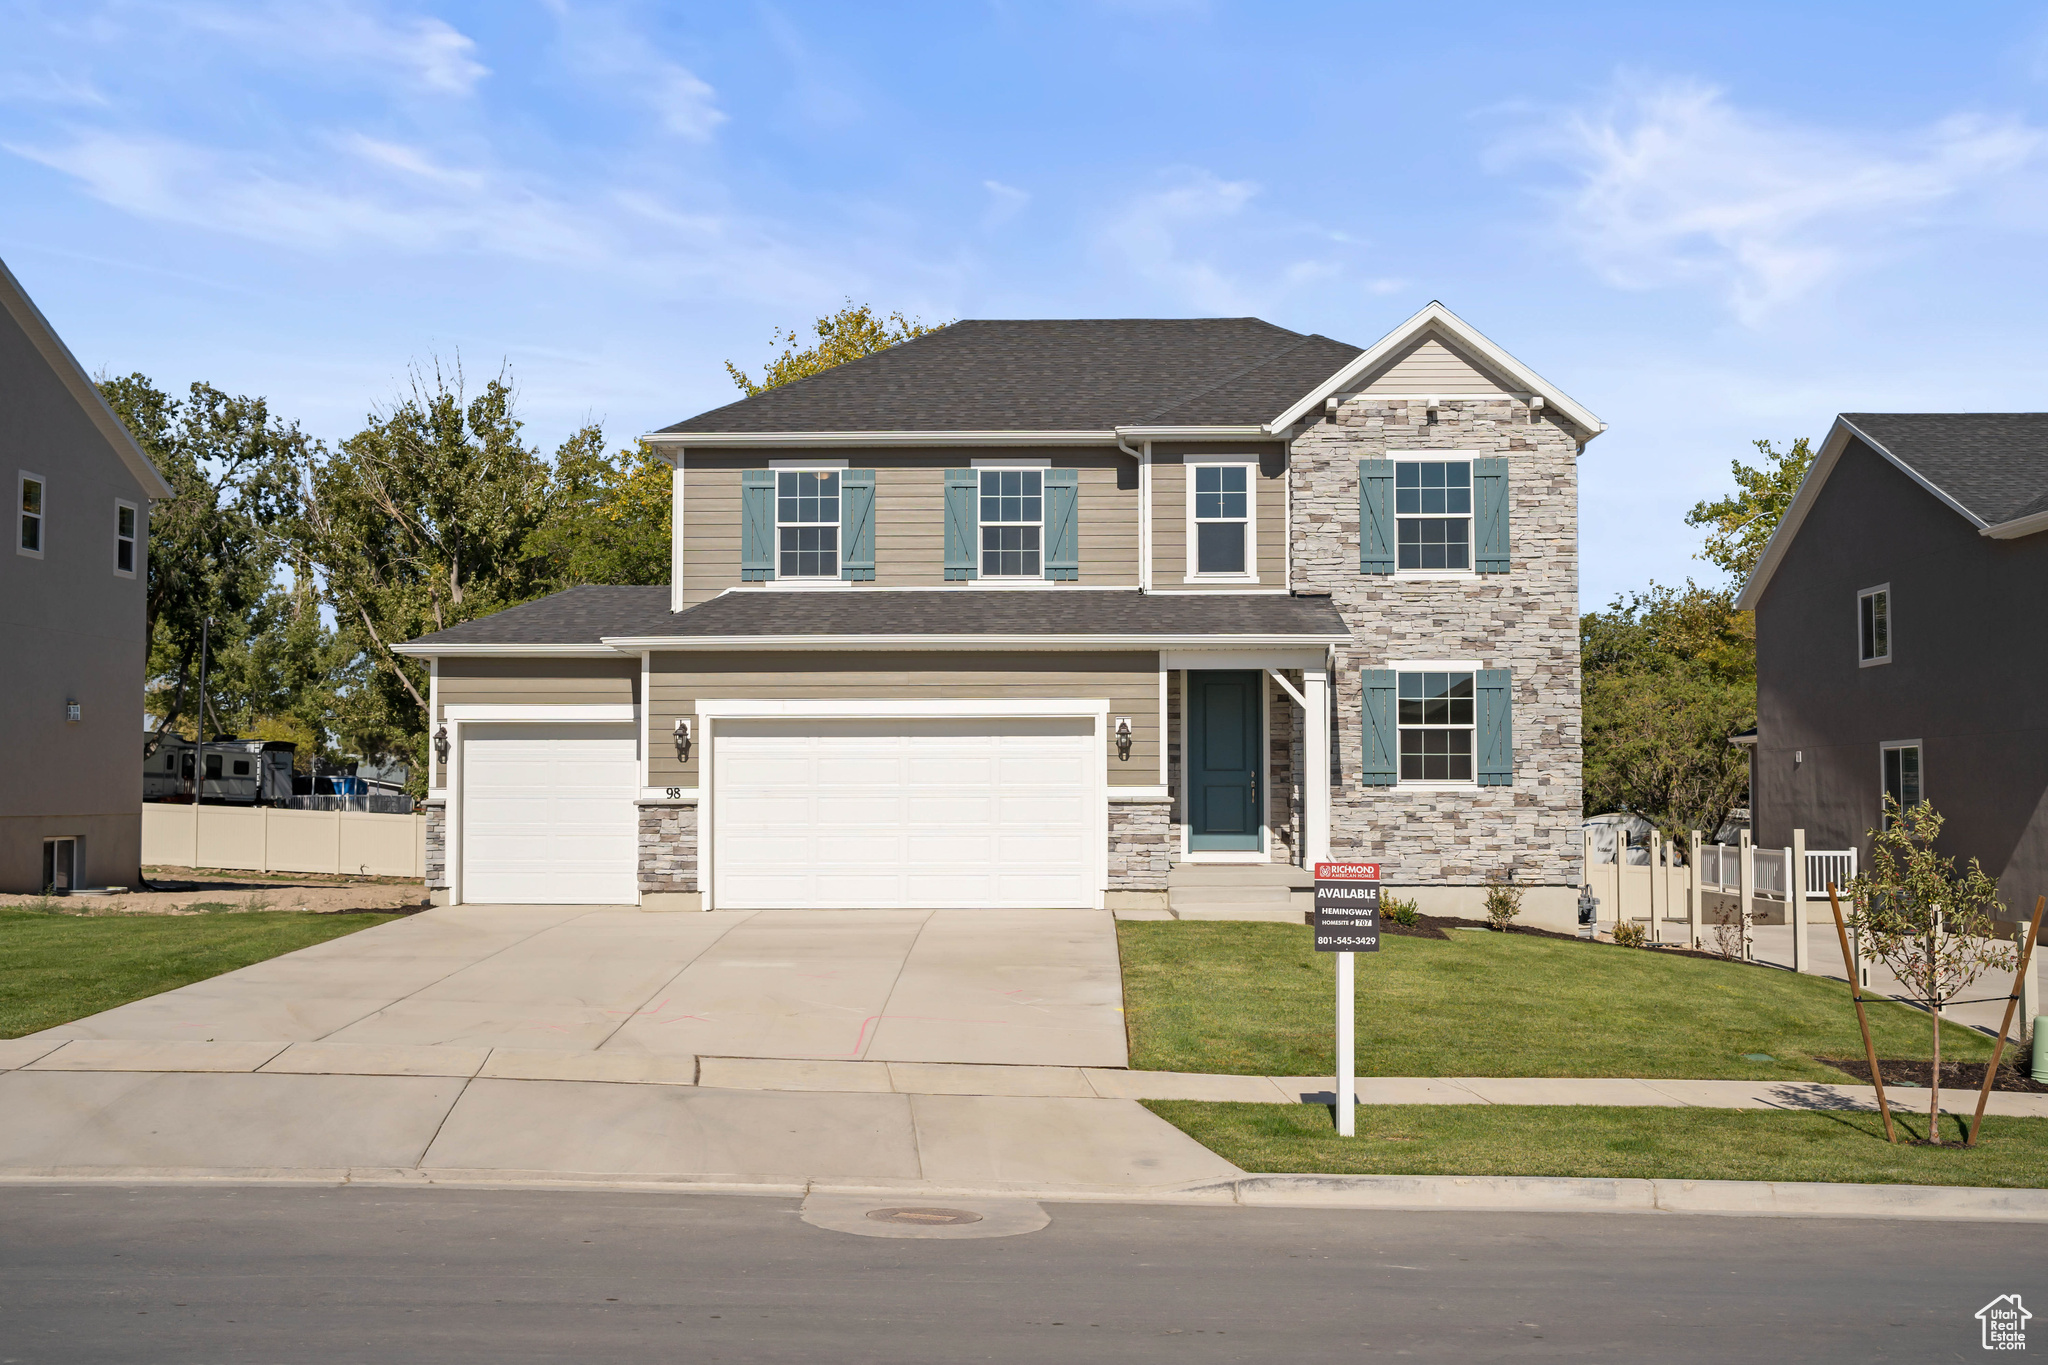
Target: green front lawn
x=1611, y=1142
x=57, y=967
x=1257, y=999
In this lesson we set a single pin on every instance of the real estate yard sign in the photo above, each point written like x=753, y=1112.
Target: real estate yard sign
x=1347, y=921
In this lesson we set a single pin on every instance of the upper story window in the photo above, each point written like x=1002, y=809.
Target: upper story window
x=1222, y=517
x=1012, y=523
x=1436, y=720
x=124, y=539
x=807, y=524
x=29, y=539
x=1433, y=513
x=1901, y=766
x=1874, y=625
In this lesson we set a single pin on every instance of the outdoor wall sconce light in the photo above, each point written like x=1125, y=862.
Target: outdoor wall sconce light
x=683, y=738
x=1123, y=738
x=441, y=744
x=73, y=711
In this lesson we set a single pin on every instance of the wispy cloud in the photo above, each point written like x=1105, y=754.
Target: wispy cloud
x=1674, y=184
x=425, y=53
x=1186, y=238
x=1004, y=203
x=617, y=59
x=49, y=88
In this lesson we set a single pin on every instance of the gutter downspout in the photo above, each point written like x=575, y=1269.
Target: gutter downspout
x=1144, y=459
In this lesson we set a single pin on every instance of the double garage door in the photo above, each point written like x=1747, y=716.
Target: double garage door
x=804, y=814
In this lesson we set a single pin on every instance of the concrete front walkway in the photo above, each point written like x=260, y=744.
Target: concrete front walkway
x=987, y=986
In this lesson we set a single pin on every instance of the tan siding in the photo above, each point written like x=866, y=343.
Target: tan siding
x=910, y=526
x=1129, y=680
x=1170, y=512
x=1432, y=367
x=537, y=682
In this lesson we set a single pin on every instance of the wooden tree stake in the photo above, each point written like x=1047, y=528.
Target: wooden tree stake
x=2012, y=1003
x=1869, y=1047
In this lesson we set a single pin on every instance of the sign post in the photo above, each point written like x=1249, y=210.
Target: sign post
x=1347, y=921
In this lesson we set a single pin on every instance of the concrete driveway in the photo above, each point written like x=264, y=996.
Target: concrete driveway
x=1037, y=988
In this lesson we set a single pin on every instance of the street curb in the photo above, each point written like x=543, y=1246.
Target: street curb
x=1441, y=1193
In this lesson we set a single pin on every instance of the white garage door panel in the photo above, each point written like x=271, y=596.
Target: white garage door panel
x=848, y=814
x=548, y=815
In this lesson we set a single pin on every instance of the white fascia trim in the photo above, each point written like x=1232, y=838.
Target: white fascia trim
x=1442, y=318
x=892, y=708
x=1253, y=432
x=2017, y=527
x=1154, y=795
x=1240, y=659
x=671, y=644
x=537, y=711
x=1817, y=474
x=811, y=463
x=730, y=440
x=508, y=651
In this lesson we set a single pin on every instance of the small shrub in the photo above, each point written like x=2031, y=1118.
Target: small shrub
x=1398, y=911
x=1728, y=938
x=1629, y=934
x=1503, y=900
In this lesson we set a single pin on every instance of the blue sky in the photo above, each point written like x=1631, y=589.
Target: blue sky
x=1709, y=225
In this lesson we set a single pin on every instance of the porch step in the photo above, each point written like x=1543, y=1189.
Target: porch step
x=1260, y=913
x=1240, y=891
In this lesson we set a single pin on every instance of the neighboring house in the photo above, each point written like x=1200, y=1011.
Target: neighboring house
x=1892, y=651
x=72, y=583
x=1025, y=613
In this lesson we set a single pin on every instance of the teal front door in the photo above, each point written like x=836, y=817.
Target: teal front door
x=1223, y=768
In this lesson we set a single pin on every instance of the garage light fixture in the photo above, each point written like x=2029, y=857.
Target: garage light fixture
x=683, y=738
x=441, y=744
x=1123, y=738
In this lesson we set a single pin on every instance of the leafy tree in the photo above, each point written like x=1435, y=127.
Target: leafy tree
x=1668, y=677
x=1739, y=525
x=1931, y=925
x=609, y=515
x=852, y=332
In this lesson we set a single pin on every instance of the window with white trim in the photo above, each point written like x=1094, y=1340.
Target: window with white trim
x=1874, y=625
x=807, y=523
x=1012, y=523
x=1222, y=518
x=1433, y=513
x=29, y=498
x=1437, y=715
x=124, y=538
x=1901, y=768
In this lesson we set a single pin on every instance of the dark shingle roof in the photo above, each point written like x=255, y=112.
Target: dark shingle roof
x=1993, y=463
x=585, y=616
x=1087, y=374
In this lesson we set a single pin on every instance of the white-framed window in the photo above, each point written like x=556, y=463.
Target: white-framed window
x=1874, y=625
x=124, y=538
x=1437, y=714
x=807, y=523
x=1433, y=513
x=1012, y=522
x=1902, y=775
x=1222, y=497
x=30, y=493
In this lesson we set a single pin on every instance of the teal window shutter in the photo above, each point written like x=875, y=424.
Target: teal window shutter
x=857, y=525
x=1496, y=728
x=963, y=525
x=1382, y=743
x=757, y=525
x=1376, y=517
x=1490, y=515
x=1062, y=524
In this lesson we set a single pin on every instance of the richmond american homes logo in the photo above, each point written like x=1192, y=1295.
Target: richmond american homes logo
x=2005, y=1323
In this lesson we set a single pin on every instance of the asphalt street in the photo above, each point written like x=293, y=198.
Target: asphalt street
x=172, y=1273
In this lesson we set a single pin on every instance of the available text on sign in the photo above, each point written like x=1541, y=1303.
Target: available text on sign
x=1347, y=916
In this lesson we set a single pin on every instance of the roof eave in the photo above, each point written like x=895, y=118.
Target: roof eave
x=635, y=644
x=419, y=649
x=2031, y=524
x=740, y=440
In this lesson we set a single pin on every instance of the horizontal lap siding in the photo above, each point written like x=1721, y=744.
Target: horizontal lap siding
x=1129, y=680
x=1170, y=517
x=910, y=528
x=537, y=682
x=1432, y=367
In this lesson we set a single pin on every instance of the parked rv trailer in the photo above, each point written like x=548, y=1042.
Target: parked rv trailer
x=239, y=772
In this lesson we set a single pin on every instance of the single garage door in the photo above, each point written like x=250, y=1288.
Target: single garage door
x=857, y=814
x=548, y=815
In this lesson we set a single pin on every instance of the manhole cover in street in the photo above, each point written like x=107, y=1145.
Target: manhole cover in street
x=931, y=1218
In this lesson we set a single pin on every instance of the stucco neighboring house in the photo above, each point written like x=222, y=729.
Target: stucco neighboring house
x=1029, y=613
x=1893, y=654
x=72, y=584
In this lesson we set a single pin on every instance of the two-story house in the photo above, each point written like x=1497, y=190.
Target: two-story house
x=73, y=579
x=1027, y=613
x=1889, y=658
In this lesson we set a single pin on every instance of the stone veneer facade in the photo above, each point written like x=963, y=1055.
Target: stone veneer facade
x=437, y=844
x=668, y=848
x=1525, y=620
x=1142, y=838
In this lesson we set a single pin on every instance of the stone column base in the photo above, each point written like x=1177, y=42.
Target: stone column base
x=671, y=900
x=1141, y=838
x=668, y=856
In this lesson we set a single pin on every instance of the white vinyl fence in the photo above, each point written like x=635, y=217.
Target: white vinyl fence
x=268, y=839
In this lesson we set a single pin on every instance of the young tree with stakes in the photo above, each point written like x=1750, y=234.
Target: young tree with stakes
x=1930, y=925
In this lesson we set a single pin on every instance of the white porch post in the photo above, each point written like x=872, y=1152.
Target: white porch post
x=1746, y=892
x=1795, y=876
x=1660, y=886
x=1693, y=891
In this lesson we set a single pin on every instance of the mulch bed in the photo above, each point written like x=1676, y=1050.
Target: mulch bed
x=1954, y=1075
